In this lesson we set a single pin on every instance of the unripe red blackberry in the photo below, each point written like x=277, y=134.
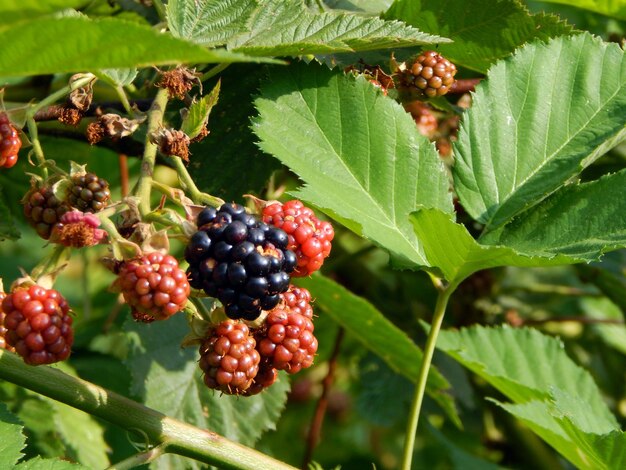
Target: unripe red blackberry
x=430, y=74
x=309, y=238
x=10, y=142
x=265, y=378
x=228, y=358
x=3, y=330
x=38, y=324
x=298, y=300
x=153, y=285
x=43, y=210
x=240, y=260
x=88, y=192
x=287, y=340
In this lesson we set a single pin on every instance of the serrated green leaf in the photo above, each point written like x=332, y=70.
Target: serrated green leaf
x=209, y=22
x=530, y=130
x=8, y=229
x=251, y=26
x=12, y=441
x=370, y=327
x=525, y=365
x=50, y=464
x=579, y=220
x=198, y=114
x=359, y=153
x=17, y=10
x=616, y=9
x=79, y=43
x=230, y=147
x=602, y=308
x=451, y=250
x=169, y=379
x=483, y=31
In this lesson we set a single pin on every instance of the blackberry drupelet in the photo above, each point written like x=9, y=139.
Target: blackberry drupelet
x=240, y=260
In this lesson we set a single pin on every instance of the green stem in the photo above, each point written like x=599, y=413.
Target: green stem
x=160, y=9
x=420, y=388
x=196, y=195
x=179, y=437
x=119, y=89
x=214, y=71
x=141, y=458
x=33, y=135
x=59, y=255
x=155, y=119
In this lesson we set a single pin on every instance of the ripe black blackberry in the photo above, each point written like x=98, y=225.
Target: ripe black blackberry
x=240, y=260
x=42, y=209
x=88, y=192
x=228, y=358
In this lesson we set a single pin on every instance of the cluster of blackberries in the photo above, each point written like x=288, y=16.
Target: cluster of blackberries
x=430, y=74
x=240, y=260
x=239, y=361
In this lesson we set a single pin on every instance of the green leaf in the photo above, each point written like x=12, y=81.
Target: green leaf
x=209, y=22
x=49, y=464
x=616, y=9
x=359, y=153
x=608, y=276
x=169, y=379
x=483, y=31
x=579, y=220
x=370, y=327
x=121, y=77
x=530, y=130
x=17, y=10
x=450, y=248
x=198, y=114
x=230, y=147
x=526, y=365
x=79, y=43
x=12, y=441
x=7, y=222
x=602, y=308
x=251, y=26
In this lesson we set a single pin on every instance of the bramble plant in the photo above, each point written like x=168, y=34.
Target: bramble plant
x=224, y=217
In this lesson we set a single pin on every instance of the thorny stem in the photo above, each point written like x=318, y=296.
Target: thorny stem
x=141, y=458
x=197, y=196
x=420, y=388
x=322, y=404
x=155, y=119
x=123, y=163
x=176, y=436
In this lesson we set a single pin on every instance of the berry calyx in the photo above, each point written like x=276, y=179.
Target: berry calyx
x=10, y=142
x=38, y=324
x=240, y=260
x=228, y=358
x=88, y=192
x=429, y=74
x=287, y=340
x=153, y=285
x=43, y=210
x=309, y=238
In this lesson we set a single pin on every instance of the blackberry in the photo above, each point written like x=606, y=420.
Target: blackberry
x=154, y=286
x=308, y=237
x=88, y=192
x=3, y=330
x=43, y=210
x=287, y=340
x=430, y=74
x=265, y=377
x=228, y=358
x=298, y=300
x=240, y=260
x=10, y=142
x=38, y=324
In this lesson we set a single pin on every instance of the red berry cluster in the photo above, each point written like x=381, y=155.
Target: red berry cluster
x=309, y=238
x=10, y=142
x=238, y=361
x=229, y=359
x=3, y=330
x=38, y=324
x=430, y=74
x=154, y=286
x=43, y=210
